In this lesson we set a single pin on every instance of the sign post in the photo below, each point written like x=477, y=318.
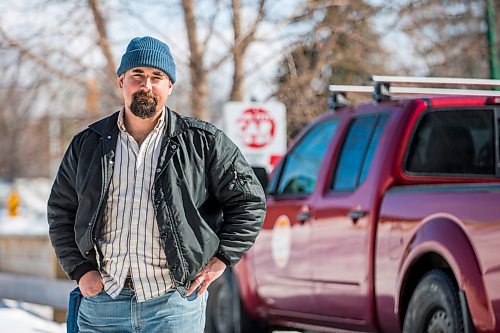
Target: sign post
x=258, y=129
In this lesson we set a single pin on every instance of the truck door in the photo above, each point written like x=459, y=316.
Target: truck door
x=281, y=253
x=340, y=228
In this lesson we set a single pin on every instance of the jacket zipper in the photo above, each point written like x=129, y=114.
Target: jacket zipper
x=107, y=162
x=159, y=170
x=156, y=206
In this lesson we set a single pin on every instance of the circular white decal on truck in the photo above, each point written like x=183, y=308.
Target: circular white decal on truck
x=281, y=241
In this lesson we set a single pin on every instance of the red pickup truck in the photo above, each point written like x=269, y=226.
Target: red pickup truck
x=382, y=217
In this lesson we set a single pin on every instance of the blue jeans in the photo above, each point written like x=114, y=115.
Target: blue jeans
x=169, y=313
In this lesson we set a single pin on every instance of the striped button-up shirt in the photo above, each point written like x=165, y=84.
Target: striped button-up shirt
x=131, y=240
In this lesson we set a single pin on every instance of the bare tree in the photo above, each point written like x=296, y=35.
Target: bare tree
x=241, y=43
x=16, y=120
x=244, y=33
x=199, y=88
x=451, y=36
x=47, y=69
x=102, y=40
x=340, y=46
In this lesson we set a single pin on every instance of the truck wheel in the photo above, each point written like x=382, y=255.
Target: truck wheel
x=434, y=306
x=224, y=311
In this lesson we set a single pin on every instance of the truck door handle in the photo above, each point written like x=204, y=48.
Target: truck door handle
x=355, y=215
x=303, y=217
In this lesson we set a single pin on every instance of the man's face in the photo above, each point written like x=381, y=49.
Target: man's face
x=145, y=90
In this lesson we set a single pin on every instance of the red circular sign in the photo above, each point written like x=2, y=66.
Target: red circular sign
x=257, y=127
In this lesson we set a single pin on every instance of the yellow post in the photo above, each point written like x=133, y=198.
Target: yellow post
x=13, y=203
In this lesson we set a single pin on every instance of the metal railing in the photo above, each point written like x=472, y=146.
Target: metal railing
x=383, y=88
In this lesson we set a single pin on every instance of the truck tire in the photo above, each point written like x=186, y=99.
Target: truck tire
x=434, y=306
x=224, y=310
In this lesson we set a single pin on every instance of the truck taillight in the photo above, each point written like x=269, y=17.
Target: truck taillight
x=493, y=100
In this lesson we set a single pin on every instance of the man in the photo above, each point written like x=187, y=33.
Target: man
x=149, y=207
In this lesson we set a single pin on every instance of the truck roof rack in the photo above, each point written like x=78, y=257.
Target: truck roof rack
x=383, y=89
x=337, y=100
x=436, y=80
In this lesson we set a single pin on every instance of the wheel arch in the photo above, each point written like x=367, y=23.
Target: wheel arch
x=414, y=274
x=441, y=242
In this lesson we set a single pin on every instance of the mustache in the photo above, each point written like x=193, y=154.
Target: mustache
x=144, y=96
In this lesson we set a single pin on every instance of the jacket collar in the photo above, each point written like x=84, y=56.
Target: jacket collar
x=176, y=124
x=106, y=125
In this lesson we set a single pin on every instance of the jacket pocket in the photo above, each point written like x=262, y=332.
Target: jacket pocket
x=241, y=180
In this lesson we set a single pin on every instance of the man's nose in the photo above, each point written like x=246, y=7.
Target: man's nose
x=147, y=83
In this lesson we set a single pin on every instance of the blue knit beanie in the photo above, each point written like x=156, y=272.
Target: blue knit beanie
x=148, y=52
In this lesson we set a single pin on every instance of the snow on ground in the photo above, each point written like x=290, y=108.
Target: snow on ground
x=18, y=317
x=20, y=225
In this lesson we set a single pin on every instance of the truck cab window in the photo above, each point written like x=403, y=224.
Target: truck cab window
x=357, y=152
x=453, y=142
x=301, y=167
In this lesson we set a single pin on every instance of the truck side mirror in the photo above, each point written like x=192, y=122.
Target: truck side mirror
x=262, y=176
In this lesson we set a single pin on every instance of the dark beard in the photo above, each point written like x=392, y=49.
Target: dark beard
x=144, y=104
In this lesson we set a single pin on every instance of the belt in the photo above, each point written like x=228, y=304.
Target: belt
x=129, y=284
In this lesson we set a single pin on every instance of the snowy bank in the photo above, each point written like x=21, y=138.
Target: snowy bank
x=19, y=317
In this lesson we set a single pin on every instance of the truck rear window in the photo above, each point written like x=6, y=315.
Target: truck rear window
x=453, y=142
x=358, y=151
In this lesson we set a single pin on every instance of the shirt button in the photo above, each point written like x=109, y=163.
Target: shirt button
x=109, y=137
x=158, y=170
x=174, y=146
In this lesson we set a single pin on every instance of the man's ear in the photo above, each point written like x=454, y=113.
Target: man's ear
x=120, y=81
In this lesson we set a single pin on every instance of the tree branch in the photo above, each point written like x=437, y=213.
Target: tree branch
x=38, y=59
x=102, y=41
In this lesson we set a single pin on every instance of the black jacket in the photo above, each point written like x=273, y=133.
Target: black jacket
x=207, y=199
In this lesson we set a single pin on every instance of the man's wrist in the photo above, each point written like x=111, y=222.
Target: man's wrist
x=222, y=258
x=81, y=270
